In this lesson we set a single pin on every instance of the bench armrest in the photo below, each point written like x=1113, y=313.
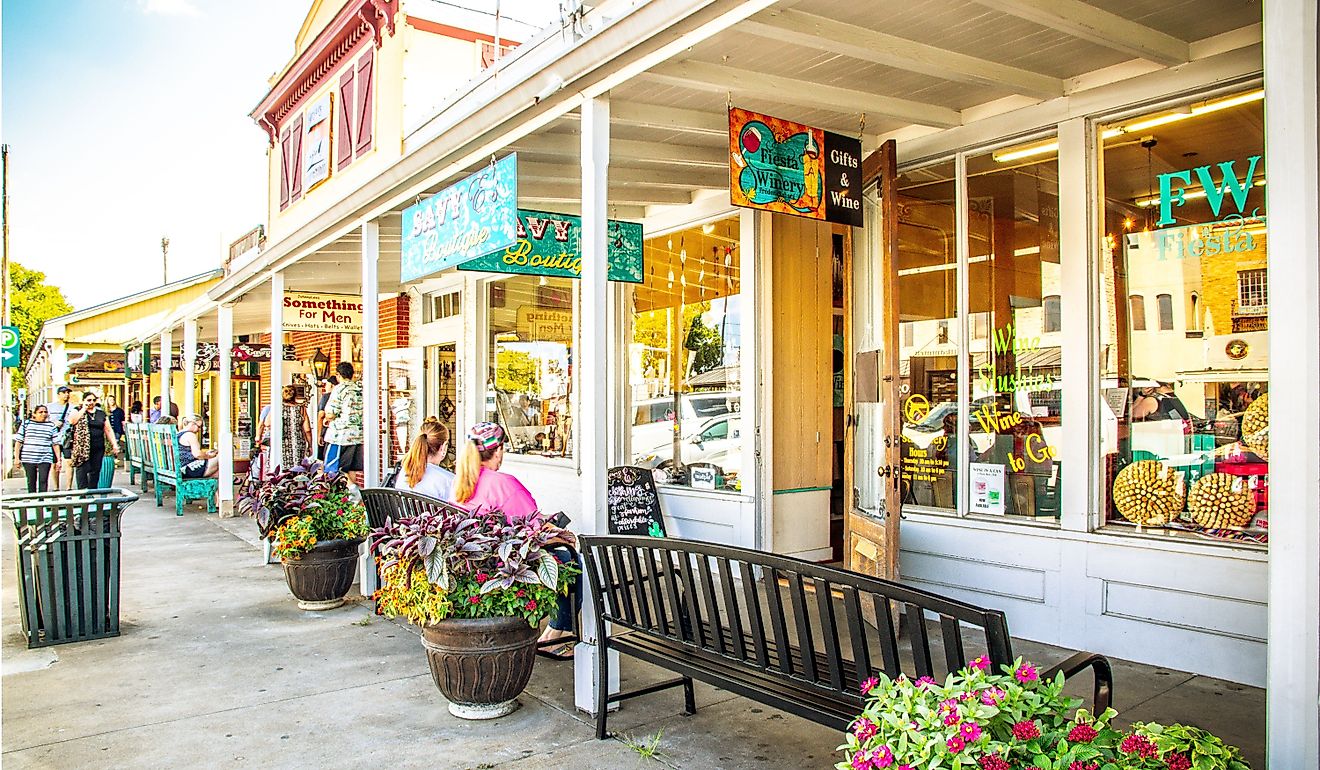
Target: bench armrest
x=1104, y=676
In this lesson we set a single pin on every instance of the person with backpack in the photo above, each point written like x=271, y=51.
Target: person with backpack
x=58, y=412
x=36, y=448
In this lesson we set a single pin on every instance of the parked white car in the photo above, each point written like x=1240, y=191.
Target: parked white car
x=654, y=419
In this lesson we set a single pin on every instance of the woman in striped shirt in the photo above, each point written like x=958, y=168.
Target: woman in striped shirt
x=37, y=447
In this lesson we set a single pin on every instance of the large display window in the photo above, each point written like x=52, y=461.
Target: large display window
x=685, y=360
x=1184, y=408
x=528, y=386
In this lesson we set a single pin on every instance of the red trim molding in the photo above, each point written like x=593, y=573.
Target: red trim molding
x=457, y=33
x=340, y=38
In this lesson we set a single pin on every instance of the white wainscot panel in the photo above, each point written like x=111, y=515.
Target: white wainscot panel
x=1201, y=613
x=725, y=519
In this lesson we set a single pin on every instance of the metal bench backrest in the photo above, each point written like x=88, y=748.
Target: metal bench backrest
x=163, y=459
x=812, y=627
x=393, y=504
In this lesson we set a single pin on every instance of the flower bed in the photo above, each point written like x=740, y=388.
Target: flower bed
x=980, y=720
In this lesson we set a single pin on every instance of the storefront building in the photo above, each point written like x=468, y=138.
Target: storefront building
x=1048, y=342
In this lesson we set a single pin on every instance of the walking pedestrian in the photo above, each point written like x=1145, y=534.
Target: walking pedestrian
x=91, y=436
x=344, y=435
x=322, y=421
x=296, y=435
x=58, y=411
x=36, y=448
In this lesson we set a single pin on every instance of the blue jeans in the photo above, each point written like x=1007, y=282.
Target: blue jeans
x=568, y=606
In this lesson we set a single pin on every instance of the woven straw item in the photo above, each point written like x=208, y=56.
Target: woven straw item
x=1256, y=426
x=1149, y=493
x=1220, y=500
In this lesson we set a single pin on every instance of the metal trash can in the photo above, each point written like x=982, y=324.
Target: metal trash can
x=68, y=562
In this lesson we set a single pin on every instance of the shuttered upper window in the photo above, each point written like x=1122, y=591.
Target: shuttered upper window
x=353, y=135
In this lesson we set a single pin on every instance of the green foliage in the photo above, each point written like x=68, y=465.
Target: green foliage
x=33, y=302
x=647, y=748
x=517, y=371
x=337, y=515
x=651, y=330
x=978, y=720
x=452, y=563
x=706, y=345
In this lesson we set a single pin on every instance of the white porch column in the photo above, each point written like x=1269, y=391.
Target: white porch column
x=276, y=368
x=1292, y=167
x=166, y=372
x=224, y=439
x=189, y=405
x=592, y=372
x=371, y=430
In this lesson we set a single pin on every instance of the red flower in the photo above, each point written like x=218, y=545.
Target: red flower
x=520, y=593
x=531, y=605
x=1080, y=765
x=1026, y=730
x=1082, y=734
x=474, y=600
x=481, y=577
x=992, y=762
x=1176, y=761
x=1139, y=745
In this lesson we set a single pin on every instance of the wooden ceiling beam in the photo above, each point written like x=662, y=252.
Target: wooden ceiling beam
x=632, y=195
x=629, y=150
x=855, y=42
x=1086, y=22
x=746, y=83
x=685, y=178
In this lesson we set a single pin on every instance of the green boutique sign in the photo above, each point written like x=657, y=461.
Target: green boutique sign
x=551, y=244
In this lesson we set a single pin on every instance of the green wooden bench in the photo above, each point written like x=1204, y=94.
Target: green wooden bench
x=139, y=455
x=165, y=471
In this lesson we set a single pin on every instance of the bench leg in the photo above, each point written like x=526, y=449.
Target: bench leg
x=160, y=495
x=603, y=692
x=178, y=504
x=689, y=697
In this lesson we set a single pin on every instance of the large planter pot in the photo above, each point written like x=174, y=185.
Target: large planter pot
x=481, y=664
x=321, y=577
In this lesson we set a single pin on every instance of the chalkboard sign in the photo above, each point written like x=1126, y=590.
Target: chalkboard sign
x=634, y=502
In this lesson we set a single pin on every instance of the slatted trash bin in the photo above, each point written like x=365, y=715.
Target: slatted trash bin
x=68, y=563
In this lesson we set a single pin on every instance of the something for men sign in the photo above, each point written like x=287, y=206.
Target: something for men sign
x=306, y=312
x=786, y=167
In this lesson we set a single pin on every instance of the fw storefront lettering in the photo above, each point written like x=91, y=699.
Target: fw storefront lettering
x=1232, y=235
x=1173, y=194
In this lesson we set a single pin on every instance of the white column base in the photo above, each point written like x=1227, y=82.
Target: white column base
x=366, y=573
x=266, y=550
x=586, y=668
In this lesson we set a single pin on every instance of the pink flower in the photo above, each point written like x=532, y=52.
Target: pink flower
x=982, y=663
x=1027, y=673
x=882, y=757
x=474, y=600
x=993, y=762
x=1139, y=745
x=905, y=767
x=1177, y=761
x=992, y=696
x=1026, y=730
x=481, y=577
x=869, y=685
x=531, y=605
x=1082, y=734
x=925, y=682
x=951, y=719
x=520, y=593
x=955, y=744
x=1080, y=765
x=864, y=729
x=861, y=760
x=970, y=731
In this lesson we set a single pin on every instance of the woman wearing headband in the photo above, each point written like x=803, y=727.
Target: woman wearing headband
x=421, y=471
x=479, y=485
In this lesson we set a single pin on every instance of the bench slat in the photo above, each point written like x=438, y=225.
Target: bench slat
x=643, y=606
x=653, y=577
x=916, y=628
x=954, y=654
x=692, y=607
x=684, y=627
x=861, y=652
x=754, y=614
x=712, y=607
x=731, y=607
x=887, y=629
x=777, y=623
x=806, y=645
x=829, y=632
x=621, y=583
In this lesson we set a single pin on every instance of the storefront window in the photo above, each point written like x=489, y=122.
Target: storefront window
x=530, y=327
x=685, y=360
x=1015, y=422
x=928, y=358
x=1184, y=409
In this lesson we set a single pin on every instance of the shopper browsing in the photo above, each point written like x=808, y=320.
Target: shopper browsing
x=58, y=411
x=421, y=471
x=37, y=448
x=344, y=434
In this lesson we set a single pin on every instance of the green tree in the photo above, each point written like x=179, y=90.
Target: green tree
x=705, y=344
x=32, y=303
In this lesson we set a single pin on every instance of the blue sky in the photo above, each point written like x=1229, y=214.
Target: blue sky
x=127, y=121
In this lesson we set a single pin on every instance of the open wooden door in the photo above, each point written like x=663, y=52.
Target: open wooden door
x=873, y=441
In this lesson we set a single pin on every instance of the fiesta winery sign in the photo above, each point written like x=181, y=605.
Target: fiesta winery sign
x=306, y=312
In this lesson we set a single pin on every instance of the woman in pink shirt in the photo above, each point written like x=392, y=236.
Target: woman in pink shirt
x=480, y=486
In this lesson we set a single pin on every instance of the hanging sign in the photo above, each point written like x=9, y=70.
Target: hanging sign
x=476, y=216
x=551, y=244
x=316, y=142
x=777, y=165
x=333, y=313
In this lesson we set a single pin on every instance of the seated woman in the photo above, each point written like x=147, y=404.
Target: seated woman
x=195, y=462
x=479, y=485
x=421, y=471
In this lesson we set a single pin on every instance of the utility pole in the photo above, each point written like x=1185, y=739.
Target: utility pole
x=164, y=260
x=7, y=378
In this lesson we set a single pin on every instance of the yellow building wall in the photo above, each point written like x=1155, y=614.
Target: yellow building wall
x=94, y=329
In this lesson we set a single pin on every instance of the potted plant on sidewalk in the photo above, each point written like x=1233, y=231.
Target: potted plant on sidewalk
x=316, y=523
x=479, y=587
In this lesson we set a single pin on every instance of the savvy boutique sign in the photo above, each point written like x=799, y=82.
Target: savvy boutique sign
x=470, y=218
x=551, y=244
x=786, y=167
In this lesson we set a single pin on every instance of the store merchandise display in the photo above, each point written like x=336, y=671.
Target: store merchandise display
x=1149, y=493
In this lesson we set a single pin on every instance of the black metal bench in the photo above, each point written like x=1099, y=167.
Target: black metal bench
x=784, y=632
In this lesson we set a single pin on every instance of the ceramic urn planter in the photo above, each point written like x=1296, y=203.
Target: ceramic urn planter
x=322, y=577
x=481, y=664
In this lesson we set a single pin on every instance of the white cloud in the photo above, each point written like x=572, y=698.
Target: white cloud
x=169, y=7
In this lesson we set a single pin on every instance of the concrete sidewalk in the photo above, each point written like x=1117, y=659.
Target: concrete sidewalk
x=217, y=667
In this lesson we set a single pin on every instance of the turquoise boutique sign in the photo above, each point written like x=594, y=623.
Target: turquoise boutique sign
x=551, y=244
x=475, y=216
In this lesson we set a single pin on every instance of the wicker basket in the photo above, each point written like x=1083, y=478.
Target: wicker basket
x=1221, y=500
x=1149, y=493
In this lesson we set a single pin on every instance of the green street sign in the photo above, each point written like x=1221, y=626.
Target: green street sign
x=9, y=346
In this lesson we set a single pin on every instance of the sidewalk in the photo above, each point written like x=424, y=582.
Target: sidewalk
x=217, y=667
